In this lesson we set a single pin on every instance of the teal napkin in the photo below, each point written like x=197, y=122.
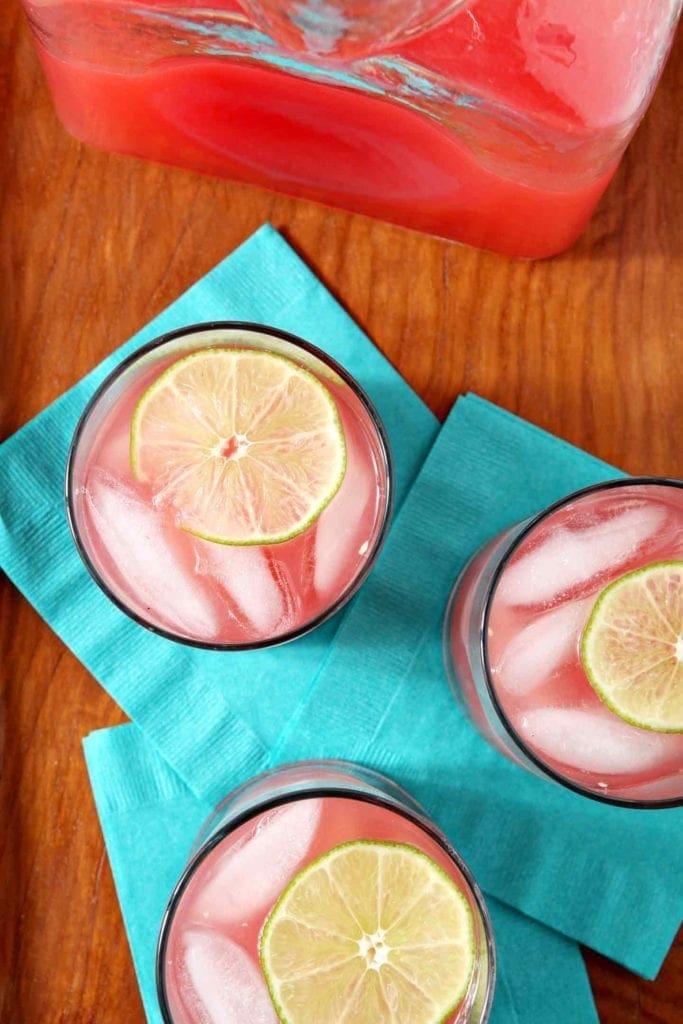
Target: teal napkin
x=193, y=704
x=215, y=717
x=150, y=819
x=609, y=877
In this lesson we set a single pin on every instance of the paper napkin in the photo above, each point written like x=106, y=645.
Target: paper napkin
x=193, y=704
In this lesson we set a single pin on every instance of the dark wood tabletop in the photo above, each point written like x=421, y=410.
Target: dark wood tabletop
x=588, y=345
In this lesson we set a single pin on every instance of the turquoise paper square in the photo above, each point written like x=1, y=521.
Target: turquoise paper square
x=193, y=704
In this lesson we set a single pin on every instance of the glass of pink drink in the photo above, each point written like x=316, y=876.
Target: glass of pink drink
x=219, y=595
x=260, y=838
x=515, y=629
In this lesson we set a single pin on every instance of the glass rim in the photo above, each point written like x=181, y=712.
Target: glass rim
x=512, y=548
x=327, y=360
x=414, y=813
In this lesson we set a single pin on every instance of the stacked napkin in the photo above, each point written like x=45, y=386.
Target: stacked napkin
x=369, y=685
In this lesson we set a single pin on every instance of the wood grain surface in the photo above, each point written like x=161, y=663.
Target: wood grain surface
x=587, y=345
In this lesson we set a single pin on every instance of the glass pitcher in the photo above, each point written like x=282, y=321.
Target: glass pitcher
x=494, y=122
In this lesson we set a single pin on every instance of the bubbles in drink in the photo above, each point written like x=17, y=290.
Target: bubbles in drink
x=220, y=983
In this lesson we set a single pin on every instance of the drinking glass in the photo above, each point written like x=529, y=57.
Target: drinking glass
x=214, y=595
x=256, y=840
x=513, y=631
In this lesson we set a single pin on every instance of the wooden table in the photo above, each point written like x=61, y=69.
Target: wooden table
x=587, y=345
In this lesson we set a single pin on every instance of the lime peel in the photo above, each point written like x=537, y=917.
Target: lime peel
x=372, y=933
x=632, y=647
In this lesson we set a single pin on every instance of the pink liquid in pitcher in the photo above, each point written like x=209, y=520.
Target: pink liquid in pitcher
x=212, y=973
x=496, y=122
x=539, y=610
x=214, y=593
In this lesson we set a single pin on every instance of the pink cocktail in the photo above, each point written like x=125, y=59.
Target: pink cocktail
x=209, y=966
x=214, y=594
x=514, y=631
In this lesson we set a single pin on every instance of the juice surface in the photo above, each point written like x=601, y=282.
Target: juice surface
x=212, y=969
x=500, y=126
x=539, y=610
x=216, y=593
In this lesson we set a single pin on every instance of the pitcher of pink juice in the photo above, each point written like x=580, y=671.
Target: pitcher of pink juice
x=498, y=123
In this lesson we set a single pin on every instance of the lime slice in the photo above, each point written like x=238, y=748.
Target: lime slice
x=632, y=647
x=246, y=445
x=370, y=933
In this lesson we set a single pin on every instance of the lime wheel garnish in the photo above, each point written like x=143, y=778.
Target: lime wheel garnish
x=245, y=445
x=370, y=933
x=632, y=647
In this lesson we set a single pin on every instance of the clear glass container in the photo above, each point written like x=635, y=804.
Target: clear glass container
x=494, y=122
x=258, y=838
x=513, y=631
x=214, y=595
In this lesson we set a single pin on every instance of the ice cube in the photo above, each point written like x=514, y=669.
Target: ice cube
x=245, y=574
x=140, y=546
x=221, y=984
x=252, y=873
x=340, y=539
x=572, y=558
x=566, y=43
x=597, y=741
x=534, y=653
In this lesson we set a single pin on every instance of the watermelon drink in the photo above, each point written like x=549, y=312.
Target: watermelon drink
x=229, y=486
x=320, y=892
x=494, y=122
x=564, y=642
